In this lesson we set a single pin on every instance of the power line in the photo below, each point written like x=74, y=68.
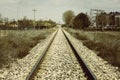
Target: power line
x=94, y=13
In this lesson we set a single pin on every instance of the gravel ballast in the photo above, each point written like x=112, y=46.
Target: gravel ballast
x=101, y=68
x=21, y=68
x=60, y=62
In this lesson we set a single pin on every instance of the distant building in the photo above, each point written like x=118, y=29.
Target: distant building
x=13, y=25
x=111, y=19
x=117, y=19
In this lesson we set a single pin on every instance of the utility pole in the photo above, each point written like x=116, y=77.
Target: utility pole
x=17, y=16
x=34, y=10
x=96, y=12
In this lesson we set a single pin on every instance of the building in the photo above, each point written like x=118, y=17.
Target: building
x=110, y=20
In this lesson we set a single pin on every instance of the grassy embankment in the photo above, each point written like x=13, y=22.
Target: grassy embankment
x=17, y=44
x=105, y=44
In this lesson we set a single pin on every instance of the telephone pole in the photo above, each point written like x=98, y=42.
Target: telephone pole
x=96, y=12
x=94, y=18
x=17, y=15
x=34, y=10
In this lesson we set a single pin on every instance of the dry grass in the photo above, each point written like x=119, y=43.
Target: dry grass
x=17, y=44
x=106, y=44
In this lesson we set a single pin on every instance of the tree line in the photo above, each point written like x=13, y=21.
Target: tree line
x=25, y=23
x=111, y=19
x=82, y=20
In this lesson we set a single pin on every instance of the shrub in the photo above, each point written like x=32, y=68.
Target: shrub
x=17, y=45
x=81, y=37
x=22, y=52
x=106, y=44
x=81, y=21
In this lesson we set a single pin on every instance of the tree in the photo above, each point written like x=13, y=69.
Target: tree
x=117, y=22
x=45, y=24
x=111, y=19
x=6, y=20
x=1, y=19
x=81, y=21
x=68, y=17
x=101, y=19
x=25, y=23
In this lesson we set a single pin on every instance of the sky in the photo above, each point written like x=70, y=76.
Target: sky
x=53, y=9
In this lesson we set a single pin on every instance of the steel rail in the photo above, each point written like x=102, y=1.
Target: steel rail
x=88, y=73
x=35, y=68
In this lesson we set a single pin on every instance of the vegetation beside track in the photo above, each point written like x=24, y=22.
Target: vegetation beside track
x=17, y=44
x=105, y=44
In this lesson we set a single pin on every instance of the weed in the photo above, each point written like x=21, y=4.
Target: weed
x=17, y=44
x=107, y=44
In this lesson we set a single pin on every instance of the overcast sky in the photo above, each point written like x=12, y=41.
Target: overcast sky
x=53, y=9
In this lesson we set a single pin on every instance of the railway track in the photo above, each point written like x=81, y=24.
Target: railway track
x=60, y=61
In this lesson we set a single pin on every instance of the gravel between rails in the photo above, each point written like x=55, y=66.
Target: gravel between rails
x=101, y=68
x=21, y=68
x=59, y=62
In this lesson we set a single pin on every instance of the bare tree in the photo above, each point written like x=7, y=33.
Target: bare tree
x=68, y=17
